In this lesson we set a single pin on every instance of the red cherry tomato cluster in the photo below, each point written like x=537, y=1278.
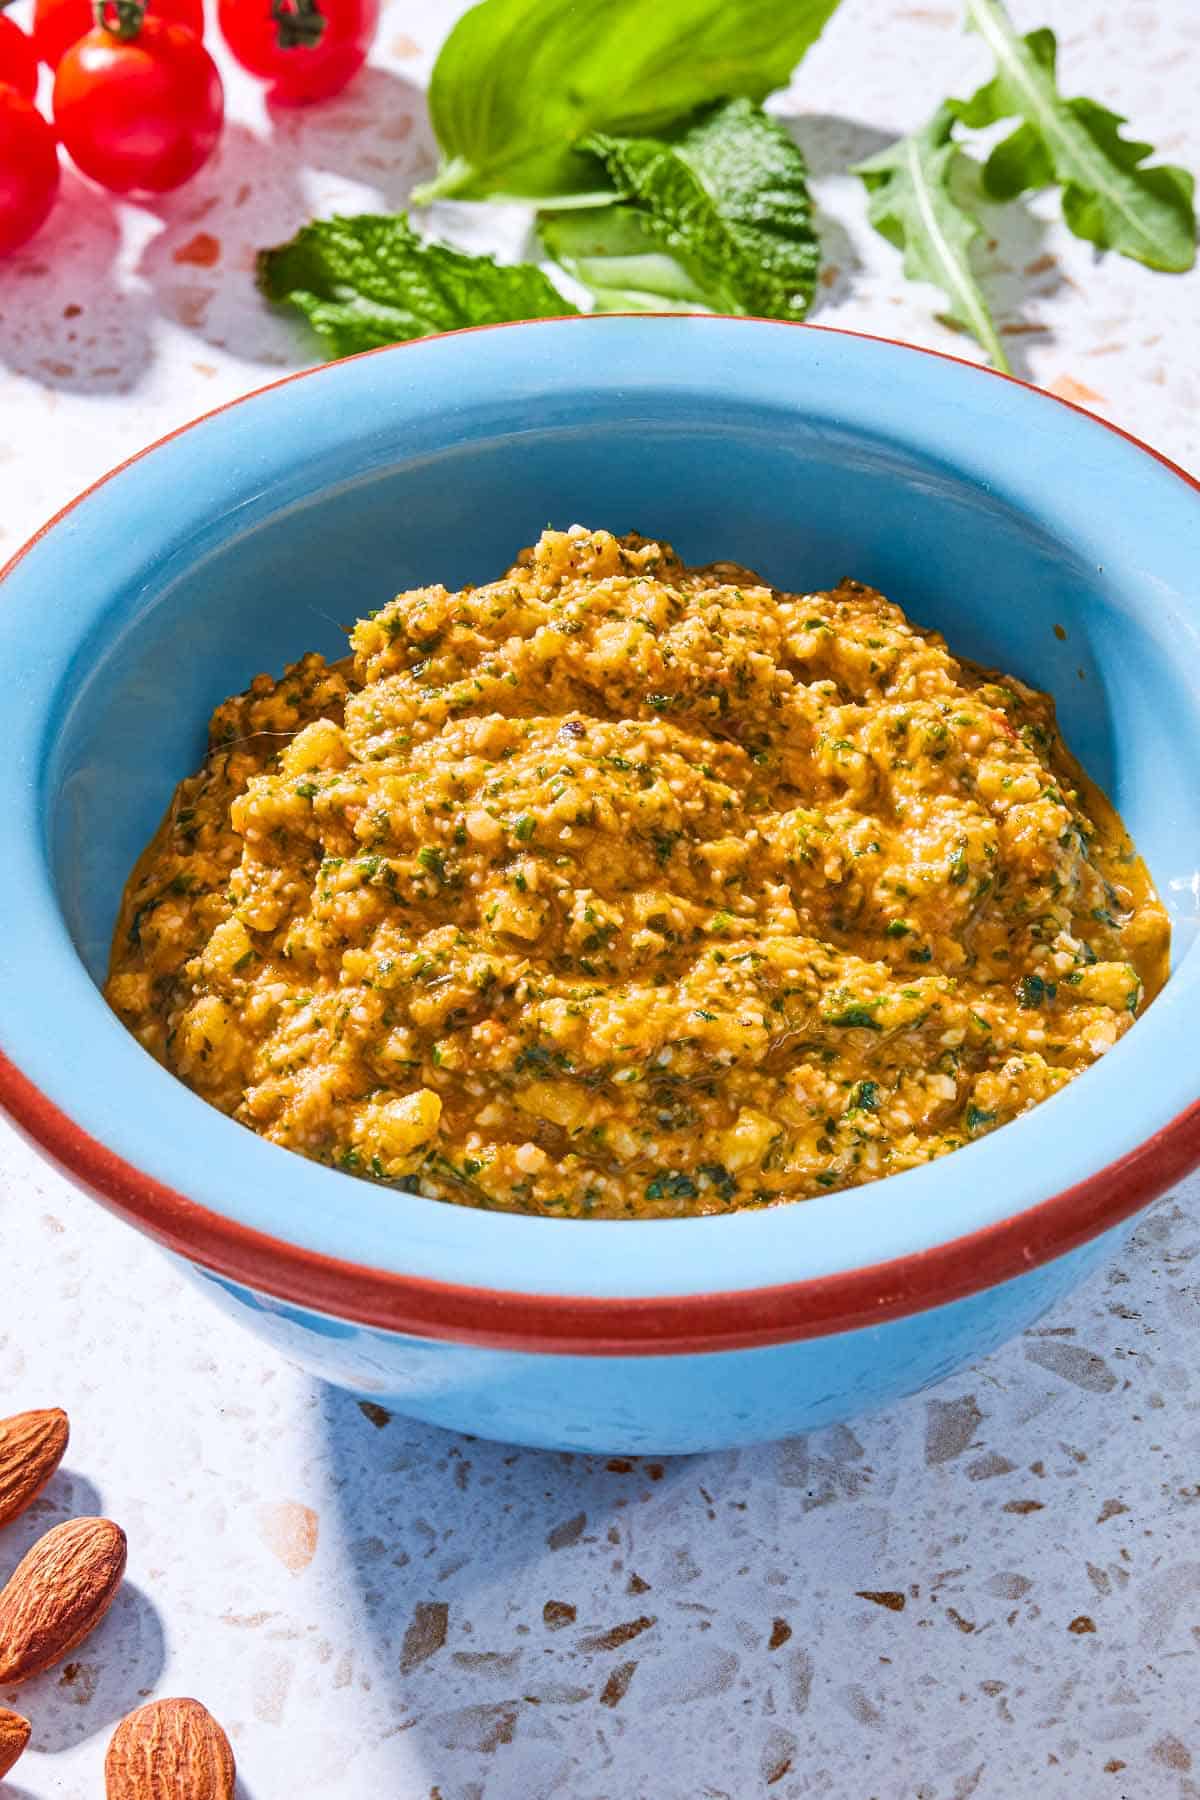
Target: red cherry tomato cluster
x=18, y=59
x=137, y=100
x=57, y=24
x=139, y=114
x=305, y=49
x=28, y=169
x=28, y=157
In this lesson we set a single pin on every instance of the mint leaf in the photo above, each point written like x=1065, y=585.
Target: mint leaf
x=612, y=250
x=722, y=201
x=371, y=280
x=519, y=82
x=1109, y=197
x=911, y=204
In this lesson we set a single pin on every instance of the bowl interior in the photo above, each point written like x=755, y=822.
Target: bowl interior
x=1033, y=539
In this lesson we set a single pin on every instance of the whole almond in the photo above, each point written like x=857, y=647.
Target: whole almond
x=169, y=1750
x=14, y=1735
x=56, y=1594
x=31, y=1448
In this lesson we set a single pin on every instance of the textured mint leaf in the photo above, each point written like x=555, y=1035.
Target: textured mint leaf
x=518, y=83
x=370, y=280
x=1109, y=196
x=726, y=197
x=911, y=203
x=613, y=252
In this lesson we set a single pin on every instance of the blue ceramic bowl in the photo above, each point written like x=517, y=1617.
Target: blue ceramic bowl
x=1036, y=538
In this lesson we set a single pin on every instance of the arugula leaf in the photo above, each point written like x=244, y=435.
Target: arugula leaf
x=716, y=213
x=1109, y=197
x=519, y=82
x=911, y=203
x=371, y=280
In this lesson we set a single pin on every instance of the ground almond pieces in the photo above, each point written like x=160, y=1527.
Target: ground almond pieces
x=619, y=889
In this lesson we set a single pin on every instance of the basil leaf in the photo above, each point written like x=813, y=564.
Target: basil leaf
x=911, y=203
x=722, y=200
x=519, y=82
x=1109, y=197
x=371, y=280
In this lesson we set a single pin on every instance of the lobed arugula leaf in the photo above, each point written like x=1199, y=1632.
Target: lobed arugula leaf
x=370, y=280
x=911, y=203
x=1110, y=197
x=518, y=83
x=716, y=213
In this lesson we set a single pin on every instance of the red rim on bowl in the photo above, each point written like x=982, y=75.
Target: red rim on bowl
x=582, y=1324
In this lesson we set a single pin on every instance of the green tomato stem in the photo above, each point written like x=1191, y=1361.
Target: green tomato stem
x=120, y=18
x=299, y=24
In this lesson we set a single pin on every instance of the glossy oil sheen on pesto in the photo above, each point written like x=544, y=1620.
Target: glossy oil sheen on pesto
x=620, y=889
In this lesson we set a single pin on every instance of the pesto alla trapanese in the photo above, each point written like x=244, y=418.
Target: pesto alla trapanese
x=621, y=889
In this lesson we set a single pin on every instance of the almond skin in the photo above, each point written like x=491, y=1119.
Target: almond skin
x=31, y=1448
x=57, y=1594
x=14, y=1735
x=169, y=1750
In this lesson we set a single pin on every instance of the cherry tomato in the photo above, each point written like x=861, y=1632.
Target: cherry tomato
x=302, y=58
x=140, y=114
x=18, y=61
x=57, y=24
x=28, y=169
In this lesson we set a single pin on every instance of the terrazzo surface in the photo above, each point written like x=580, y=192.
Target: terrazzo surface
x=992, y=1591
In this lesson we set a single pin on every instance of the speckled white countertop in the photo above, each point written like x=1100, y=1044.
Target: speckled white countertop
x=993, y=1591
